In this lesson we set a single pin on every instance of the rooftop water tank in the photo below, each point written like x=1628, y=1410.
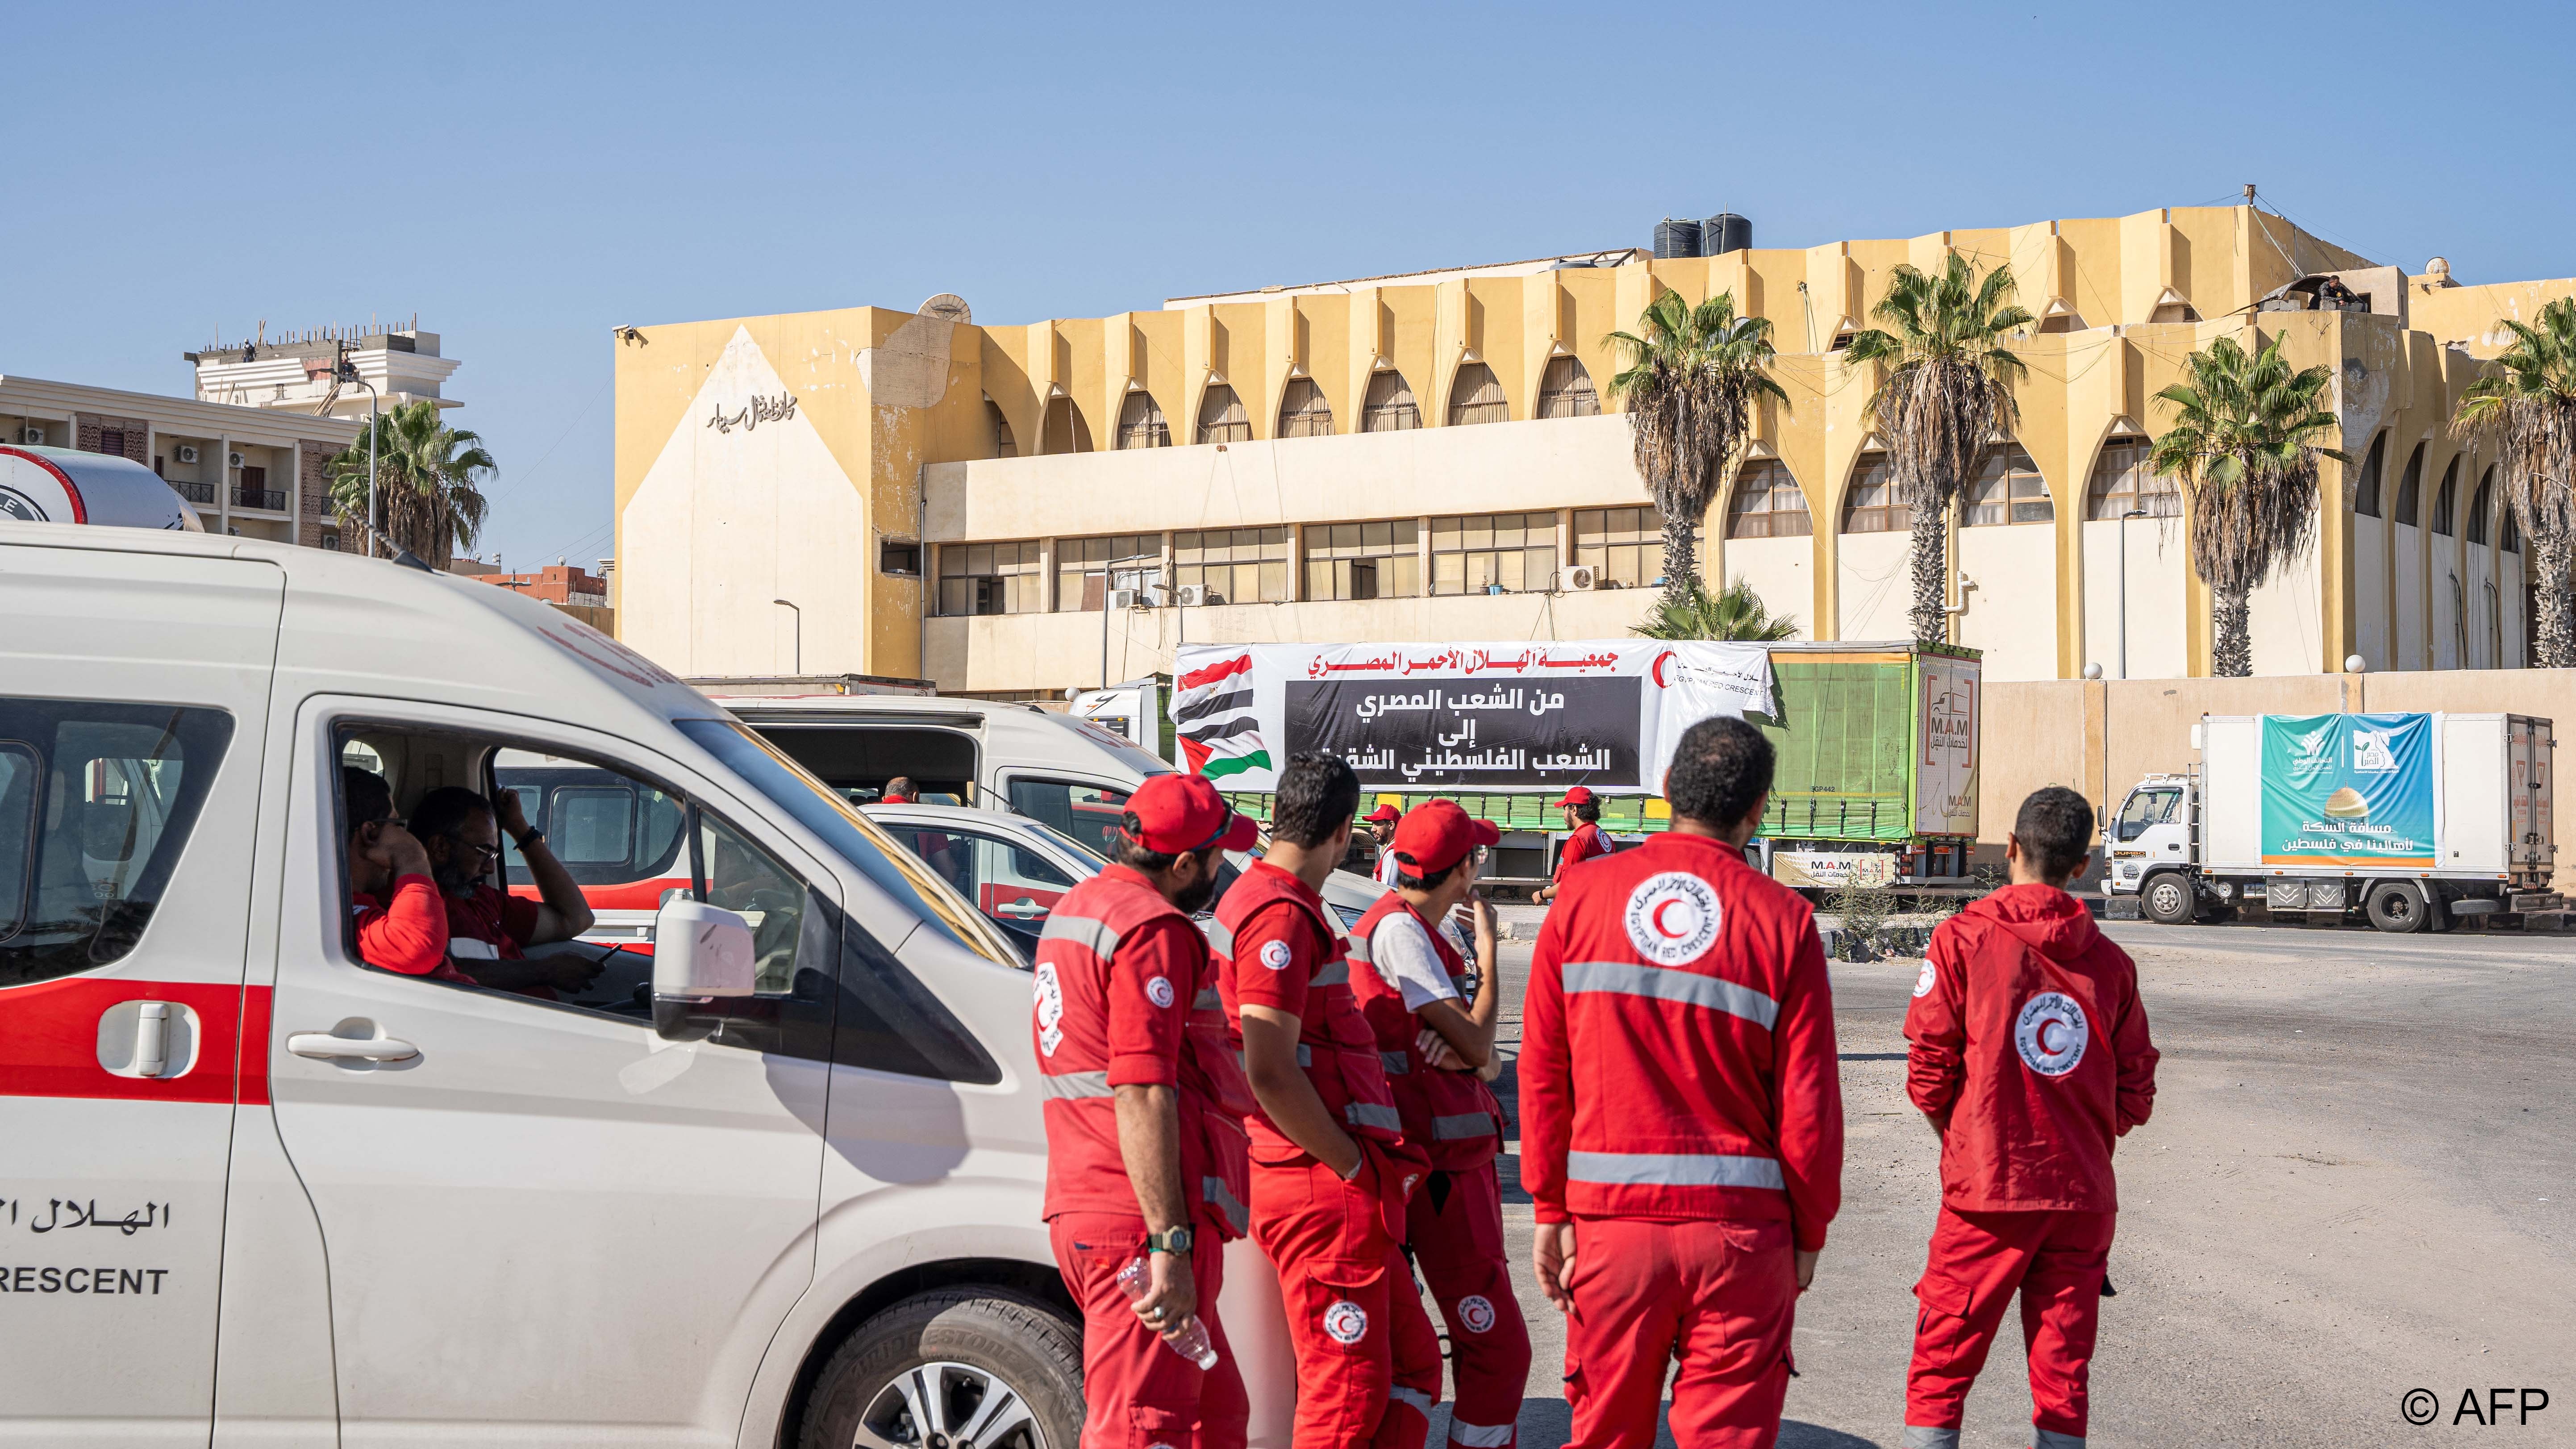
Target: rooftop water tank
x=1723, y=233
x=1676, y=239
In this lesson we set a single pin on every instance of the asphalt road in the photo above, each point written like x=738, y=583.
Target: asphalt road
x=2360, y=1180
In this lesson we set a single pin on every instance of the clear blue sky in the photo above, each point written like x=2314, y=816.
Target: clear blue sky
x=527, y=176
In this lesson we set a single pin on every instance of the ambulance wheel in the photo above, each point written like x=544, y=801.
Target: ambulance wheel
x=960, y=1368
x=2168, y=899
x=2397, y=908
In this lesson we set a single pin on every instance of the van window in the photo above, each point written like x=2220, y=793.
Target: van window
x=1091, y=814
x=96, y=802
x=859, y=760
x=604, y=827
x=743, y=878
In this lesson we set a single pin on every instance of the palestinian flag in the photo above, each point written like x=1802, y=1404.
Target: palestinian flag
x=1212, y=714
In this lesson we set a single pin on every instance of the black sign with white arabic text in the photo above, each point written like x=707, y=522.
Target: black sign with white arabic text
x=1472, y=734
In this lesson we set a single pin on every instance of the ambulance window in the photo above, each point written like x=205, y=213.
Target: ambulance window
x=745, y=879
x=1091, y=814
x=96, y=802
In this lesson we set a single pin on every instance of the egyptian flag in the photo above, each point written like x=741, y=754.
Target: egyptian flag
x=1212, y=714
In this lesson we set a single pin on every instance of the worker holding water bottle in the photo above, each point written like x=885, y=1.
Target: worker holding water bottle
x=1146, y=1168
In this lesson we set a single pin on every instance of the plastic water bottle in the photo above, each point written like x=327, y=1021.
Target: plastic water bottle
x=1190, y=1343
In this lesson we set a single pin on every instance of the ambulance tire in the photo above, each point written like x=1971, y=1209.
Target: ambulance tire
x=2168, y=899
x=968, y=1344
x=2397, y=908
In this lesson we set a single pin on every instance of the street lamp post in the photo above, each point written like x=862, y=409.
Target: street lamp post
x=800, y=633
x=2124, y=585
x=349, y=373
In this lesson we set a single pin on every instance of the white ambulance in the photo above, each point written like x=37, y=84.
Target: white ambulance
x=257, y=1192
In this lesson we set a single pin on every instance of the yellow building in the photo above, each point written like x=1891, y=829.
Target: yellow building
x=1434, y=456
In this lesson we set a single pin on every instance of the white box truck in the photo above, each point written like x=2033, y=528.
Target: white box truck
x=2411, y=819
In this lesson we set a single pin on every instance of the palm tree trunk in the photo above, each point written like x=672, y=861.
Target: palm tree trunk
x=1681, y=559
x=2232, y=654
x=2555, y=626
x=1931, y=567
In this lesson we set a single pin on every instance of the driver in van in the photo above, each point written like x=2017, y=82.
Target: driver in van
x=932, y=846
x=408, y=932
x=488, y=931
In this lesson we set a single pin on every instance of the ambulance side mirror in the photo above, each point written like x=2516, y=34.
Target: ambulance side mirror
x=702, y=956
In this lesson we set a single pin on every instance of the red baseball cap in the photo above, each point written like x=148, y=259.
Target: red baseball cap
x=1183, y=814
x=1383, y=815
x=1576, y=796
x=1437, y=835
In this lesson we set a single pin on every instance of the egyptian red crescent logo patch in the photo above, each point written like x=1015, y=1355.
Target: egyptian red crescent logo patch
x=1346, y=1322
x=2050, y=1033
x=1672, y=918
x=1475, y=1313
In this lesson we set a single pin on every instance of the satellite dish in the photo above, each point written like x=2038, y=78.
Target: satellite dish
x=950, y=306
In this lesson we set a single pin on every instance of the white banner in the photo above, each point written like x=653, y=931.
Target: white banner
x=1465, y=717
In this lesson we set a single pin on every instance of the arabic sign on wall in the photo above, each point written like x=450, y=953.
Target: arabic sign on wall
x=2348, y=789
x=1945, y=762
x=1484, y=717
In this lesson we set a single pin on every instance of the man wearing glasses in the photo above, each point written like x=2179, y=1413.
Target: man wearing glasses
x=488, y=931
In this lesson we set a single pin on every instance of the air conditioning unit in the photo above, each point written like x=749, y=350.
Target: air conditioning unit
x=188, y=453
x=1196, y=596
x=1579, y=579
x=232, y=460
x=32, y=436
x=1126, y=598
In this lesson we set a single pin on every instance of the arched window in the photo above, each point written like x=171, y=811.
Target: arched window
x=1566, y=390
x=1222, y=418
x=2008, y=489
x=1389, y=407
x=1477, y=397
x=1004, y=445
x=2482, y=508
x=1064, y=430
x=2410, y=488
x=2365, y=497
x=1872, y=505
x=1767, y=503
x=1303, y=412
x=2445, y=501
x=2123, y=481
x=1140, y=423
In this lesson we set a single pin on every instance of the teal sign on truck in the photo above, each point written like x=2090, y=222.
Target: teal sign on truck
x=2348, y=789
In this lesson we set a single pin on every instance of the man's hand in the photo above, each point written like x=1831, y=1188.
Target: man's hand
x=394, y=848
x=1940, y=1125
x=1437, y=1052
x=1806, y=1268
x=1172, y=1295
x=571, y=971
x=513, y=817
x=1552, y=1258
x=1481, y=914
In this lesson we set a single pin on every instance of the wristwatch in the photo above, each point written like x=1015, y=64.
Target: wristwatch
x=1174, y=1240
x=532, y=836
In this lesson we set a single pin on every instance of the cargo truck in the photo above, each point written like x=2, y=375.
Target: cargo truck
x=1876, y=783
x=2409, y=819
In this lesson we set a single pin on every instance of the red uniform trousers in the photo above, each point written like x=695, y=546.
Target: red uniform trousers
x=1978, y=1260
x=1139, y=1393
x=1368, y=1360
x=1455, y=1226
x=1719, y=1294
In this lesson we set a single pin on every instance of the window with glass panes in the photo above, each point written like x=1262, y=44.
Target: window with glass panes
x=1084, y=566
x=1625, y=546
x=1767, y=503
x=1872, y=505
x=2123, y=481
x=1236, y=565
x=2008, y=489
x=1364, y=560
x=990, y=578
x=1477, y=553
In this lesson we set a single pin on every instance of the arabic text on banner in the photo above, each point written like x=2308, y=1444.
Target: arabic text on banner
x=2348, y=790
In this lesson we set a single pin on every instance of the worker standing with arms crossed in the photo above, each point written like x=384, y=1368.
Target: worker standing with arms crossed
x=1436, y=1035
x=2030, y=1057
x=1681, y=1114
x=1143, y=1153
x=1331, y=1172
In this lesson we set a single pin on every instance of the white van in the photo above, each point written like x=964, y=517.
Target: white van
x=258, y=1192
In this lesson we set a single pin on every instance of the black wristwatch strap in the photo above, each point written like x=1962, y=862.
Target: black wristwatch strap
x=532, y=836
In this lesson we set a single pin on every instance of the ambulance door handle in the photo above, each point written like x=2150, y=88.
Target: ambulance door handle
x=325, y=1046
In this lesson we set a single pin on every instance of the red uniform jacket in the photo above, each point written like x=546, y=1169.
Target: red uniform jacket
x=409, y=936
x=1584, y=842
x=1451, y=1115
x=1677, y=1058
x=2027, y=1029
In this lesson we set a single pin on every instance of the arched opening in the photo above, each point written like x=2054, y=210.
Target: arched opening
x=1141, y=424
x=2365, y=496
x=2445, y=500
x=1767, y=503
x=1565, y=391
x=2124, y=482
x=1064, y=430
x=1222, y=418
x=1002, y=443
x=1477, y=397
x=2410, y=488
x=1389, y=407
x=2482, y=508
x=1303, y=411
x=2059, y=317
x=1871, y=504
x=2008, y=489
x=2173, y=306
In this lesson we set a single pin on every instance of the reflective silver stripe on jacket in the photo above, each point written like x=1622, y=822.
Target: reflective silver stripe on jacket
x=1207, y=1000
x=1305, y=1057
x=1479, y=1436
x=1672, y=1169
x=1336, y=974
x=1074, y=1086
x=1370, y=1114
x=1460, y=1125
x=1081, y=931
x=1627, y=978
x=1396, y=1063
x=1399, y=1394
x=1218, y=936
x=1213, y=1191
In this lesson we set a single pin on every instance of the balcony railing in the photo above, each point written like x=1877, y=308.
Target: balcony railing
x=268, y=498
x=197, y=492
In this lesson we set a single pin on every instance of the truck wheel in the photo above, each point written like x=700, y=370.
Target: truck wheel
x=2167, y=899
x=959, y=1368
x=2395, y=907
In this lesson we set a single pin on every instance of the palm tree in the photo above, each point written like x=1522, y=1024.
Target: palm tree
x=427, y=482
x=1735, y=613
x=2527, y=405
x=2239, y=448
x=1950, y=395
x=1693, y=377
